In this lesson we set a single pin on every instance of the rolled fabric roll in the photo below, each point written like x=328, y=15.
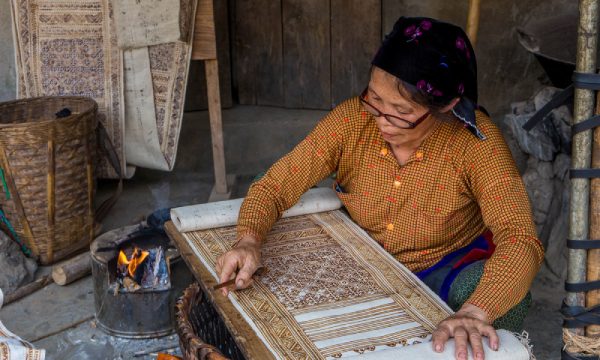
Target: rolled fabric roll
x=511, y=348
x=225, y=213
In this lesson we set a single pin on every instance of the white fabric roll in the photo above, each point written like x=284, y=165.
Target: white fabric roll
x=225, y=213
x=15, y=348
x=511, y=348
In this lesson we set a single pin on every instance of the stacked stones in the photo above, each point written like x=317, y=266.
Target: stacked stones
x=543, y=157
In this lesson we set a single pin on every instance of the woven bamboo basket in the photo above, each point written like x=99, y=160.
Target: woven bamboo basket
x=199, y=325
x=47, y=174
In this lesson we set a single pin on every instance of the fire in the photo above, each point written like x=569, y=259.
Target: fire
x=137, y=258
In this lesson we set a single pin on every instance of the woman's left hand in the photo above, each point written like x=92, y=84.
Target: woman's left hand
x=467, y=325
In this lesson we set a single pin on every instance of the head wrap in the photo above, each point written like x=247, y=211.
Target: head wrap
x=438, y=59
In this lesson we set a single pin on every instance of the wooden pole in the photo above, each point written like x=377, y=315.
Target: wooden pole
x=204, y=47
x=216, y=127
x=473, y=20
x=28, y=289
x=581, y=150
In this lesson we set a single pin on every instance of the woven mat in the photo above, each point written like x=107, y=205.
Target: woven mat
x=69, y=48
x=329, y=290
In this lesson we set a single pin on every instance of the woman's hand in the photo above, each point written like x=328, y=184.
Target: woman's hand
x=243, y=258
x=467, y=325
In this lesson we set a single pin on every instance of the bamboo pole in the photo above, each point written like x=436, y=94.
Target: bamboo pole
x=592, y=298
x=473, y=20
x=581, y=150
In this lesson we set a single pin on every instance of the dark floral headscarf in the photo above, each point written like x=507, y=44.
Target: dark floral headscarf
x=438, y=59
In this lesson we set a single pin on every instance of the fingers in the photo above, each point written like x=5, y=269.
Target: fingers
x=244, y=276
x=461, y=341
x=475, y=339
x=490, y=332
x=228, y=267
x=439, y=337
x=465, y=332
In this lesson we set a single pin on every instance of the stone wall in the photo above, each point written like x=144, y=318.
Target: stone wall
x=543, y=157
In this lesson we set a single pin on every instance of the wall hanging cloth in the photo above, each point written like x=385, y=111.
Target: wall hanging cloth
x=70, y=48
x=148, y=22
x=14, y=348
x=330, y=291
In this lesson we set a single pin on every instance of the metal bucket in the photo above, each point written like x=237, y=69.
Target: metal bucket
x=140, y=314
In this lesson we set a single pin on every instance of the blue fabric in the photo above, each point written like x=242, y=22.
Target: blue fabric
x=440, y=276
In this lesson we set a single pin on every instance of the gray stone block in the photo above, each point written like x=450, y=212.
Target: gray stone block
x=17, y=269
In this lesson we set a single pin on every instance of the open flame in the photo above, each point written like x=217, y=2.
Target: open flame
x=137, y=258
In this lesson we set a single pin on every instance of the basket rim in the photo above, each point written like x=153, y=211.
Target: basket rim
x=91, y=101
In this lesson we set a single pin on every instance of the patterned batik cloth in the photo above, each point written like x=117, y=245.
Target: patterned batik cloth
x=329, y=289
x=69, y=48
x=14, y=348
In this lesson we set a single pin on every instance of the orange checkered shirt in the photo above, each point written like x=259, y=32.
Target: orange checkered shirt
x=450, y=191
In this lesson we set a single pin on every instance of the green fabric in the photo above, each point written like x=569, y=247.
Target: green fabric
x=464, y=285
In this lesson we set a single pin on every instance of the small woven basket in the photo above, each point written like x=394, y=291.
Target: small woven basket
x=47, y=174
x=199, y=325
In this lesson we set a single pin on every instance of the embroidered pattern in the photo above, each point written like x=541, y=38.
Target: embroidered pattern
x=329, y=289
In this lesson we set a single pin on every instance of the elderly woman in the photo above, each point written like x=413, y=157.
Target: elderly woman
x=427, y=174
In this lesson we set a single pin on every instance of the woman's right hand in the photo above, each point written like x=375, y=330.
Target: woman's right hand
x=244, y=259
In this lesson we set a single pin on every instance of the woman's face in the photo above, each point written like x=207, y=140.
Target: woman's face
x=383, y=94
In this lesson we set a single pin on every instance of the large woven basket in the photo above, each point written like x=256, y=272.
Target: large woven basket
x=47, y=174
x=199, y=325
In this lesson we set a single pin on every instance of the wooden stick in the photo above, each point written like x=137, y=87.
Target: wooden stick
x=73, y=269
x=581, y=150
x=216, y=127
x=473, y=20
x=28, y=289
x=260, y=271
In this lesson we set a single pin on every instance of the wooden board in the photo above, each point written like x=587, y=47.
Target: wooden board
x=196, y=97
x=250, y=345
x=258, y=63
x=355, y=37
x=306, y=55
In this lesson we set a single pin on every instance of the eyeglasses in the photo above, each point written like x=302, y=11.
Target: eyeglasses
x=394, y=120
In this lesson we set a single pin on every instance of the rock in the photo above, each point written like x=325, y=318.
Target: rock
x=522, y=107
x=556, y=245
x=545, y=169
x=542, y=141
x=543, y=96
x=562, y=118
x=540, y=189
x=561, y=165
x=17, y=269
x=518, y=155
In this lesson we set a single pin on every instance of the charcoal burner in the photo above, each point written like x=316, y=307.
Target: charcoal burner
x=144, y=313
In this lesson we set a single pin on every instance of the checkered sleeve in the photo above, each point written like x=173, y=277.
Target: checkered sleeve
x=308, y=163
x=497, y=186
